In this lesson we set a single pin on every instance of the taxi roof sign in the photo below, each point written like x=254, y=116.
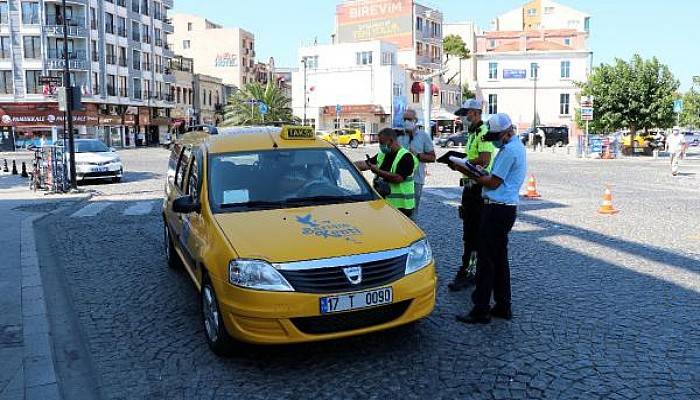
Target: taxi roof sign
x=290, y=132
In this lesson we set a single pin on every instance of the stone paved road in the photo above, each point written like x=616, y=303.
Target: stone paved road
x=605, y=307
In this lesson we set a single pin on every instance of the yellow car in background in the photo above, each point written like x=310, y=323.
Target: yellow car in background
x=287, y=242
x=344, y=137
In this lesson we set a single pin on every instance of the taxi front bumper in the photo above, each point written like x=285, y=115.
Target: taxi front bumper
x=290, y=317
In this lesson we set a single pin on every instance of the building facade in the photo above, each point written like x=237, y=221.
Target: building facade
x=224, y=53
x=182, y=91
x=531, y=73
x=462, y=72
x=208, y=99
x=117, y=53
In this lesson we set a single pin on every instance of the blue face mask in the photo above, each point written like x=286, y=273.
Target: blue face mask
x=384, y=148
x=498, y=143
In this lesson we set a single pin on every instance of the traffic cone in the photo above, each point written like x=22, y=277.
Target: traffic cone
x=24, y=170
x=14, y=168
x=531, y=188
x=606, y=207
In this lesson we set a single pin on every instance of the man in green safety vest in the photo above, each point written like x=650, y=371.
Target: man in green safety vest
x=393, y=167
x=482, y=153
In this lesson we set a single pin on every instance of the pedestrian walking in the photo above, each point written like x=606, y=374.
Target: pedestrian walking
x=393, y=168
x=420, y=144
x=479, y=152
x=501, y=195
x=675, y=145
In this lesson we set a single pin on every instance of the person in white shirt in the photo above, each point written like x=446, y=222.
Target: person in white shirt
x=675, y=144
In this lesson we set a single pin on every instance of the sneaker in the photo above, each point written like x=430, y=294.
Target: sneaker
x=502, y=312
x=461, y=281
x=474, y=317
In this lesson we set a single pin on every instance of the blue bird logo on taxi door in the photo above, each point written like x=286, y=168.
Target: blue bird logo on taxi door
x=328, y=229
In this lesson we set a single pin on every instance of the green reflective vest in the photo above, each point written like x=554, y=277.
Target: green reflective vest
x=402, y=194
x=475, y=145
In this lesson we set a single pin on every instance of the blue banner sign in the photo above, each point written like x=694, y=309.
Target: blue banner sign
x=514, y=74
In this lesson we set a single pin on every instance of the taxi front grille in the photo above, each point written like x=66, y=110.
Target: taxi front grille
x=333, y=279
x=347, y=321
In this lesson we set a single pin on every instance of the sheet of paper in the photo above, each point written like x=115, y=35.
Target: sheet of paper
x=236, y=196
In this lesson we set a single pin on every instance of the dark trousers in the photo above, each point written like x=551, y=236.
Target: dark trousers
x=492, y=270
x=472, y=206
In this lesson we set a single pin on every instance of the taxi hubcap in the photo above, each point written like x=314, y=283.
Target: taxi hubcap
x=211, y=314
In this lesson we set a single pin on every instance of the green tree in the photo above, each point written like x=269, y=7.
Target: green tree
x=637, y=95
x=690, y=116
x=240, y=111
x=454, y=46
x=467, y=93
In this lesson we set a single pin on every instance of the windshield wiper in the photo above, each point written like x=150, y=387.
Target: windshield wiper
x=325, y=199
x=256, y=204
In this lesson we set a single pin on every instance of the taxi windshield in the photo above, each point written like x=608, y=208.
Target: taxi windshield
x=271, y=179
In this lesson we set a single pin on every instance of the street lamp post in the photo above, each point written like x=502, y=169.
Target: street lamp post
x=536, y=68
x=303, y=61
x=69, y=100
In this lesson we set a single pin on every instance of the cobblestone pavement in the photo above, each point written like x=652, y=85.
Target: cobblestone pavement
x=605, y=306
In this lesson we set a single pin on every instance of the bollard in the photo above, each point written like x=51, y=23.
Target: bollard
x=6, y=169
x=14, y=168
x=24, y=170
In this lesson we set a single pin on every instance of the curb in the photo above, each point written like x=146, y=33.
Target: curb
x=39, y=373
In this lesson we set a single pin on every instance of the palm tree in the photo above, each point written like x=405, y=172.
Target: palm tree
x=243, y=106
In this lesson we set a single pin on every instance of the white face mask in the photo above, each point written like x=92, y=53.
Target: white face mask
x=466, y=123
x=409, y=125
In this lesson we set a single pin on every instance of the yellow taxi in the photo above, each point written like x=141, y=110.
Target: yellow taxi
x=287, y=242
x=344, y=137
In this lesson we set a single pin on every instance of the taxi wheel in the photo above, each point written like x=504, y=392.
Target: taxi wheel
x=219, y=341
x=170, y=253
x=354, y=143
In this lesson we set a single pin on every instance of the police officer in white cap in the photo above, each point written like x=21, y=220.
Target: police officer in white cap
x=500, y=192
x=479, y=152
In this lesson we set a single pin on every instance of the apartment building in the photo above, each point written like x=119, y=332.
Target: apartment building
x=224, y=53
x=118, y=57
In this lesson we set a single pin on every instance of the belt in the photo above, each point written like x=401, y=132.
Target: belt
x=500, y=203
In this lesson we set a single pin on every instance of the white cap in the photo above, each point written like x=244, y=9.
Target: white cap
x=498, y=123
x=469, y=104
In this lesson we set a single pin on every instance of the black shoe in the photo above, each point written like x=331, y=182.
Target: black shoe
x=502, y=312
x=474, y=317
x=461, y=282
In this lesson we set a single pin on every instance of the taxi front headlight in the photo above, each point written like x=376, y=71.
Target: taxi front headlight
x=420, y=255
x=257, y=274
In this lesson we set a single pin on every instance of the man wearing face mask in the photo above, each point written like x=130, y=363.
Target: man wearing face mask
x=419, y=143
x=481, y=153
x=394, y=166
x=501, y=194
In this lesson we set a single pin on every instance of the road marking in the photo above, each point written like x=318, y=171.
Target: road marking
x=140, y=208
x=91, y=209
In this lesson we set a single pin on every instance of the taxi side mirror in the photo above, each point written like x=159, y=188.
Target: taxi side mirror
x=186, y=205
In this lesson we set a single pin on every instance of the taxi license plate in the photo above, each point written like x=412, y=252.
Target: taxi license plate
x=353, y=301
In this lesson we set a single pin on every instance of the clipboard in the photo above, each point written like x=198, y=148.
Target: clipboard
x=445, y=159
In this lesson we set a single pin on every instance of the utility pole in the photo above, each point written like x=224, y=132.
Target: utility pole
x=428, y=100
x=303, y=61
x=534, y=100
x=68, y=85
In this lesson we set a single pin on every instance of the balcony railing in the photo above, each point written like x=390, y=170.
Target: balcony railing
x=95, y=90
x=110, y=28
x=136, y=65
x=168, y=97
x=146, y=66
x=147, y=94
x=159, y=42
x=123, y=92
x=72, y=55
x=122, y=61
x=136, y=36
x=111, y=90
x=147, y=39
x=52, y=19
x=121, y=31
x=110, y=59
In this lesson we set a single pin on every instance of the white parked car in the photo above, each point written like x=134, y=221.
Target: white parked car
x=94, y=160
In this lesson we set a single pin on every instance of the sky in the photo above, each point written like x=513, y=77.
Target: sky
x=669, y=30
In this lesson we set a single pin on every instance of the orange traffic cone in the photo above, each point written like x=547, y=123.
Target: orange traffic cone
x=531, y=188
x=606, y=207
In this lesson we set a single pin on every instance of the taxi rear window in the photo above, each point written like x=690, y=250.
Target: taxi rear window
x=272, y=179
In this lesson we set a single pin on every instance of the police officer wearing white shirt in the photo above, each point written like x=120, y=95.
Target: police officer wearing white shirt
x=501, y=194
